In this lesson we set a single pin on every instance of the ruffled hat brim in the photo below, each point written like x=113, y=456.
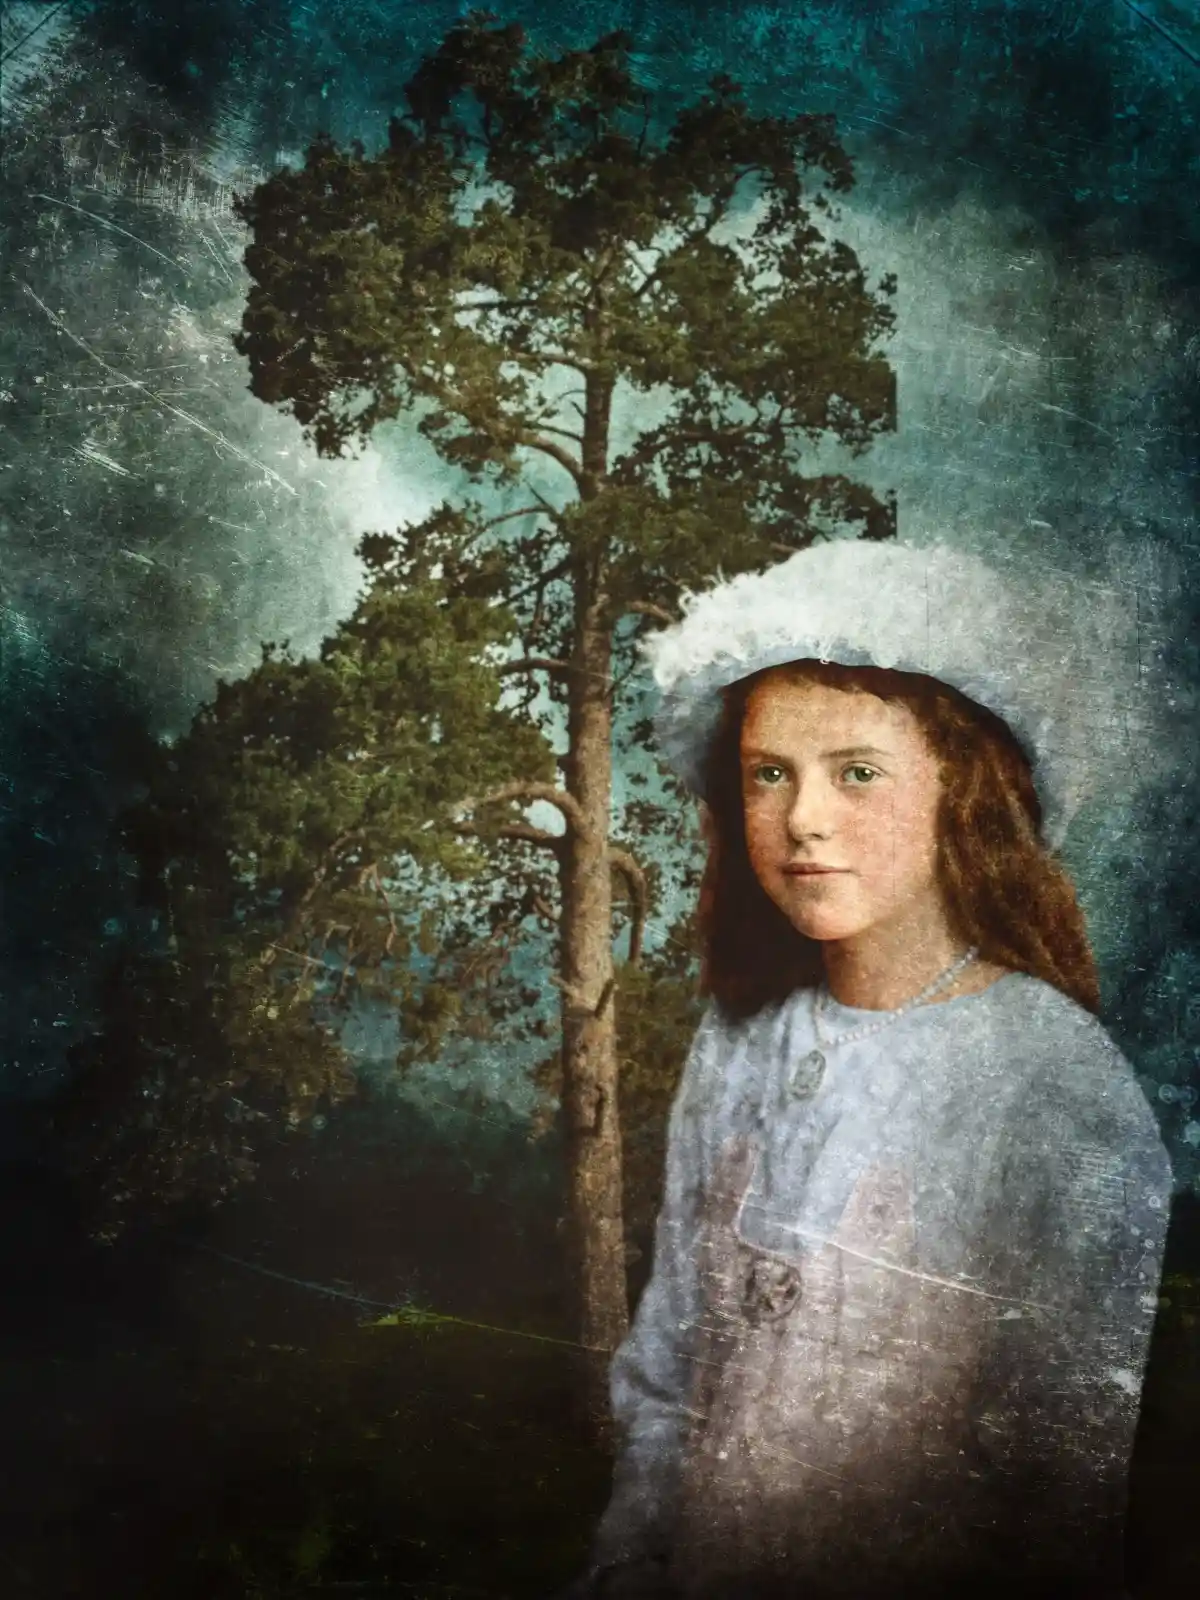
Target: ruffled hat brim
x=1054, y=657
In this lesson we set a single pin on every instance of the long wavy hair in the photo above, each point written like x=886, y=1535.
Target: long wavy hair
x=1002, y=888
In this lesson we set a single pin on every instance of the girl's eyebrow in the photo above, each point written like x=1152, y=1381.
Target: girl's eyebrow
x=845, y=754
x=859, y=750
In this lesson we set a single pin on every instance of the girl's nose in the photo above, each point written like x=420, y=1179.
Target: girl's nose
x=811, y=813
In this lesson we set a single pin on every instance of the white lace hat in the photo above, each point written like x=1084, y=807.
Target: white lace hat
x=1055, y=656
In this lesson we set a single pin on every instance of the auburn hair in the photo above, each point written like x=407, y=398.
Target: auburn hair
x=1003, y=889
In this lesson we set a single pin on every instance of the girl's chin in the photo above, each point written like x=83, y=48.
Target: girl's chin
x=828, y=927
x=828, y=932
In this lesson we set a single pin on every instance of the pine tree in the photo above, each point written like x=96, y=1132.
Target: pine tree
x=523, y=247
x=626, y=339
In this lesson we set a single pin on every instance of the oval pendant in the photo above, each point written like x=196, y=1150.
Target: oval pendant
x=807, y=1074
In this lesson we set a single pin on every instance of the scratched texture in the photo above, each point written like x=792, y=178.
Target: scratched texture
x=1026, y=170
x=886, y=1322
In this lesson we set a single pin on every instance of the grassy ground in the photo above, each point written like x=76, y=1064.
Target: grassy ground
x=201, y=1421
x=436, y=1460
x=246, y=1436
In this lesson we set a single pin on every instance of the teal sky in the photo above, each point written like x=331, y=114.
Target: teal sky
x=1027, y=172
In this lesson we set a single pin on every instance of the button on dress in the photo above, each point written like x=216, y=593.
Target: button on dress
x=895, y=1335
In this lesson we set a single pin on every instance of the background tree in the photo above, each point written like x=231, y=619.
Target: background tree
x=625, y=339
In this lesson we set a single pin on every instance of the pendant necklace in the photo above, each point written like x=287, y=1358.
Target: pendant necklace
x=810, y=1069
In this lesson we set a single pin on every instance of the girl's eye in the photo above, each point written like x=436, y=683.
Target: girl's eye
x=767, y=767
x=859, y=776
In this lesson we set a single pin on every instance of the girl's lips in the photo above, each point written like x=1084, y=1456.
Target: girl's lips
x=812, y=872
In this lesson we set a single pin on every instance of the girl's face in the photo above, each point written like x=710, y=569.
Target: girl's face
x=841, y=792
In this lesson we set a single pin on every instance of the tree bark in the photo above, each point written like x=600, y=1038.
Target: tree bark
x=589, y=1031
x=589, y=1015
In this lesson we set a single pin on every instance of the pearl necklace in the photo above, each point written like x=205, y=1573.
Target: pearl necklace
x=809, y=1071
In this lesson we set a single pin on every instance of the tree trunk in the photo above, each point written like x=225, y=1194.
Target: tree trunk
x=589, y=1018
x=589, y=1015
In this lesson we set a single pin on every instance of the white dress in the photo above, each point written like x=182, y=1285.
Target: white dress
x=896, y=1331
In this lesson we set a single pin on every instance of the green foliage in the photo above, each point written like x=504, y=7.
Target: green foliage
x=360, y=1462
x=658, y=1011
x=523, y=226
x=625, y=338
x=290, y=851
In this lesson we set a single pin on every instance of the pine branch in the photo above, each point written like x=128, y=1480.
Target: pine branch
x=547, y=447
x=529, y=663
x=509, y=516
x=643, y=608
x=514, y=830
x=454, y=401
x=387, y=906
x=527, y=791
x=563, y=433
x=722, y=201
x=635, y=880
x=672, y=438
x=538, y=360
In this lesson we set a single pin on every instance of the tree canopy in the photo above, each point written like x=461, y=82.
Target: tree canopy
x=626, y=342
x=525, y=243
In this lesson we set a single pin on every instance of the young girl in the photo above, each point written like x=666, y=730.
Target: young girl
x=915, y=1202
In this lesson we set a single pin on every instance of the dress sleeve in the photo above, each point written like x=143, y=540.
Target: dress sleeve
x=1086, y=1189
x=650, y=1377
